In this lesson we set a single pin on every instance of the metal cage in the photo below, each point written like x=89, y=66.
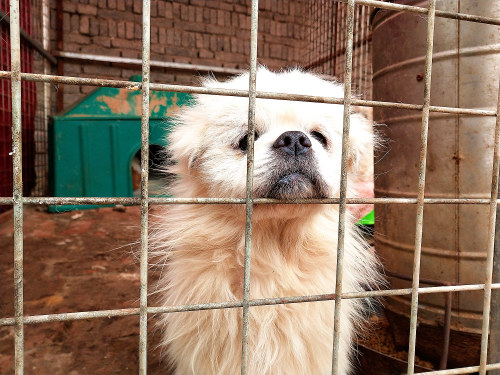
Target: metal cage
x=18, y=200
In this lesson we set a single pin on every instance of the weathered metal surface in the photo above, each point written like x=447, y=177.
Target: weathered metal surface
x=491, y=246
x=422, y=10
x=35, y=319
x=153, y=63
x=145, y=114
x=459, y=159
x=165, y=200
x=15, y=58
x=252, y=90
x=241, y=93
x=494, y=344
x=343, y=185
x=424, y=135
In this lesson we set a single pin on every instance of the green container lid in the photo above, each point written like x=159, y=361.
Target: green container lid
x=368, y=219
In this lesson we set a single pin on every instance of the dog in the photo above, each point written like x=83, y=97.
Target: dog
x=200, y=247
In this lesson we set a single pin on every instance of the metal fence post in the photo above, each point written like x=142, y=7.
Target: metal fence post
x=15, y=53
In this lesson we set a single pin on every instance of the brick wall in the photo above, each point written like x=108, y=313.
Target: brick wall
x=208, y=32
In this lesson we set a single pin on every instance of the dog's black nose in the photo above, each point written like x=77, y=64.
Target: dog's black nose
x=293, y=143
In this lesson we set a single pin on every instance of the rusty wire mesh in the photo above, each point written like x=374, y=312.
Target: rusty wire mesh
x=18, y=200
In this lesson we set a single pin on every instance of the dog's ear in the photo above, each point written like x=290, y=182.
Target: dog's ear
x=186, y=139
x=362, y=141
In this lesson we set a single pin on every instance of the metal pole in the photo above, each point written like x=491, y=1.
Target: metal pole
x=343, y=185
x=421, y=186
x=249, y=184
x=494, y=349
x=143, y=315
x=46, y=88
x=60, y=47
x=15, y=58
x=491, y=247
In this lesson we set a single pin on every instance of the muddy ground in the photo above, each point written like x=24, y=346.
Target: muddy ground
x=76, y=261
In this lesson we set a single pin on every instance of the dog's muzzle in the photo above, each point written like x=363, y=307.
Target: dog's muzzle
x=294, y=171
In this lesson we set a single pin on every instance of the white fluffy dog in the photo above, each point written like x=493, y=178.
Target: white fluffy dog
x=297, y=155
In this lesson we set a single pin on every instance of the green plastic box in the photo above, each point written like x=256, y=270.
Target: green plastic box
x=93, y=143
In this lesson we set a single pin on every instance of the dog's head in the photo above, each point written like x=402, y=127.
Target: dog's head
x=298, y=145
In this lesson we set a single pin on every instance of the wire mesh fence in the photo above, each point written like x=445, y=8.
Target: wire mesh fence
x=354, y=9
x=327, y=40
x=35, y=95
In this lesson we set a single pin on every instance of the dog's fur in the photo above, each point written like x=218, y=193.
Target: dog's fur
x=294, y=247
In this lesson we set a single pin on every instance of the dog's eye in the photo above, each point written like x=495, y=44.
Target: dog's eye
x=320, y=138
x=243, y=143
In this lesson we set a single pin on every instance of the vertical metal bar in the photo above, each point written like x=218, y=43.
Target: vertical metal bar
x=15, y=59
x=46, y=63
x=443, y=363
x=421, y=186
x=60, y=47
x=46, y=99
x=364, y=51
x=335, y=38
x=343, y=184
x=143, y=317
x=494, y=340
x=491, y=245
x=249, y=194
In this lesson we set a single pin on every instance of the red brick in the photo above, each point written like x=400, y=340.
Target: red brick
x=153, y=9
x=88, y=9
x=76, y=38
x=103, y=41
x=241, y=9
x=133, y=54
x=72, y=47
x=103, y=27
x=74, y=22
x=137, y=31
x=129, y=5
x=133, y=44
x=178, y=51
x=170, y=36
x=220, y=17
x=84, y=24
x=138, y=7
x=203, y=53
x=66, y=22
x=159, y=50
x=168, y=10
x=154, y=35
x=120, y=29
x=94, y=27
x=97, y=50
x=129, y=30
x=221, y=30
x=184, y=60
x=69, y=7
x=162, y=36
x=120, y=4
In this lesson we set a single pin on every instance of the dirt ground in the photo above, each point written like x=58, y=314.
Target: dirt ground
x=76, y=261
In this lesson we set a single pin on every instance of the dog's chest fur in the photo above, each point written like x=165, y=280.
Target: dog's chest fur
x=283, y=339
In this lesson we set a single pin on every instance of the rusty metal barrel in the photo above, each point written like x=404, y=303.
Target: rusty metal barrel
x=465, y=73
